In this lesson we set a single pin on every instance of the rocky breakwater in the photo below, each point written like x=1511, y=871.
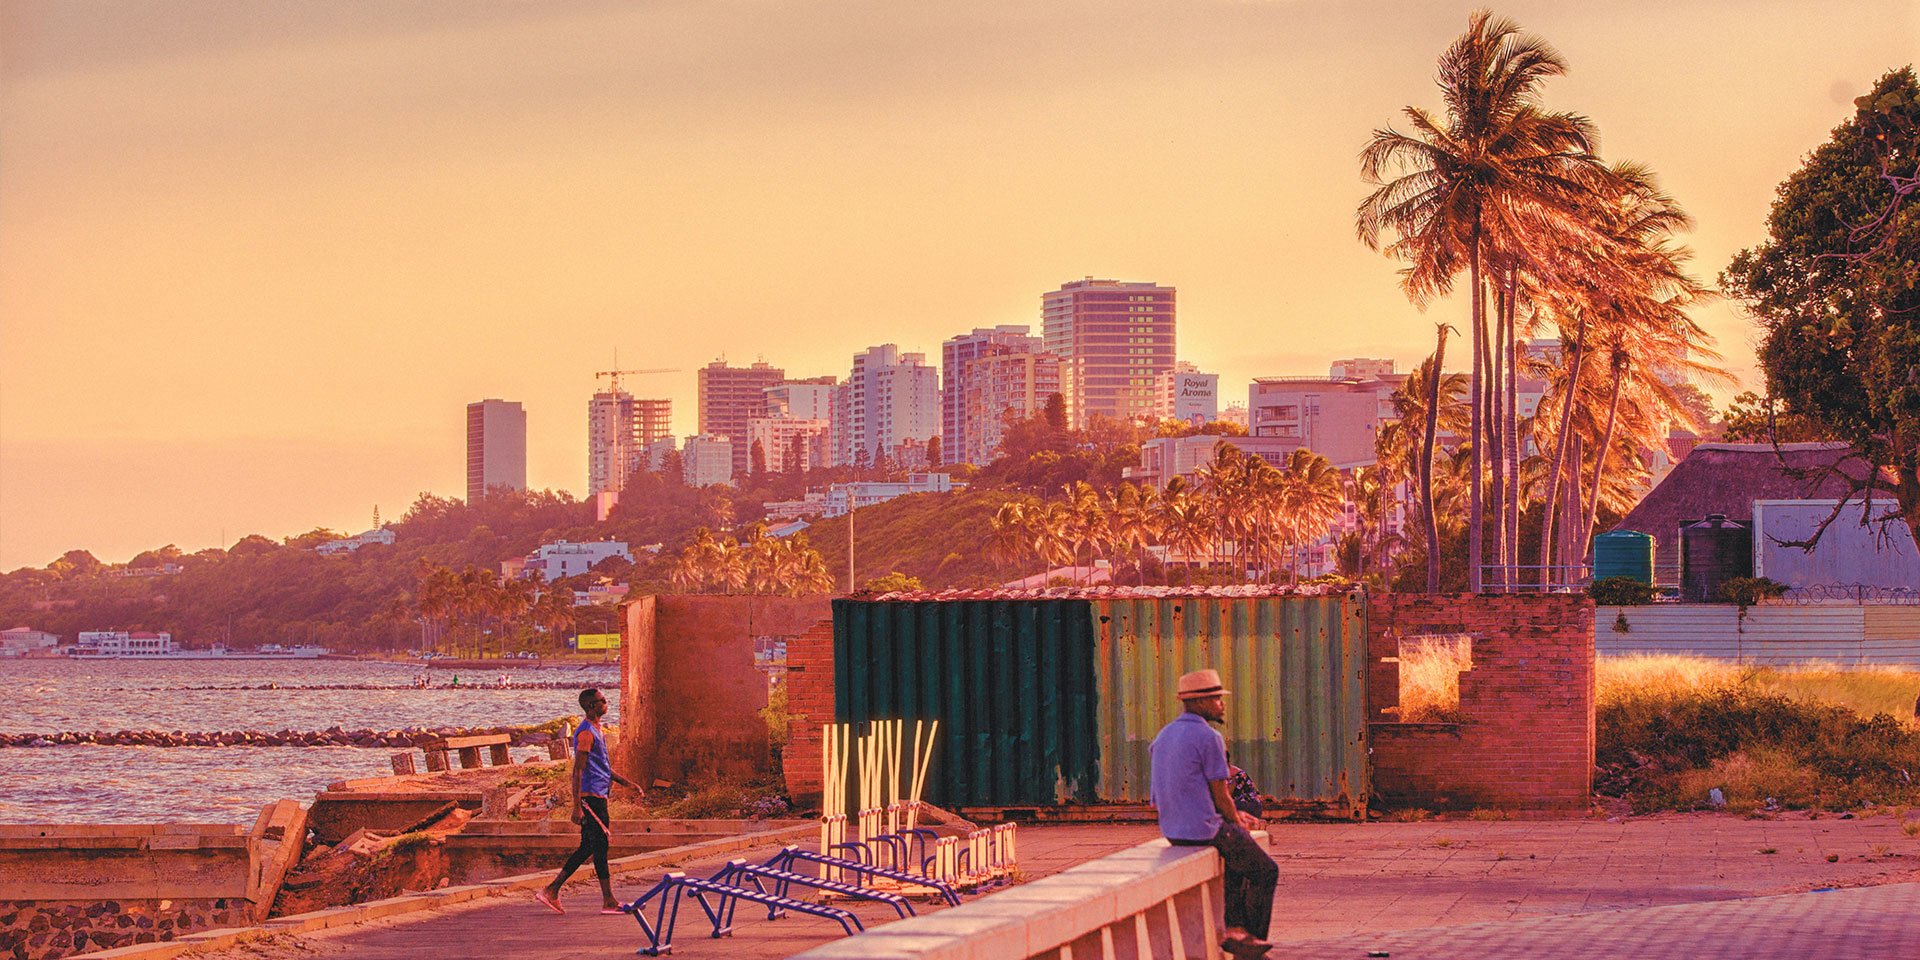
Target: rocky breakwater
x=330, y=737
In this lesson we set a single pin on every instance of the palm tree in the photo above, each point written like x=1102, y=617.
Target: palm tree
x=1009, y=539
x=1185, y=524
x=1497, y=170
x=1310, y=498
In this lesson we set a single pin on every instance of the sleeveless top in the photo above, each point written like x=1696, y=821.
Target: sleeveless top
x=599, y=773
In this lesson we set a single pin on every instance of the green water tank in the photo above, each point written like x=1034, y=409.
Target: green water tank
x=1623, y=553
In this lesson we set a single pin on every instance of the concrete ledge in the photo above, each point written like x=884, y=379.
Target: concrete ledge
x=1166, y=892
x=434, y=899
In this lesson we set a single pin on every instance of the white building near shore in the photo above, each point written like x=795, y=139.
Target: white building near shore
x=121, y=643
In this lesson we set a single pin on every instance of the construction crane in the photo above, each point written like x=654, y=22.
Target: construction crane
x=615, y=375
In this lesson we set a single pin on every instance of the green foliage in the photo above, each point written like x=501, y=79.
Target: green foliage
x=1621, y=592
x=1662, y=749
x=1836, y=288
x=1747, y=591
x=939, y=539
x=1755, y=419
x=896, y=581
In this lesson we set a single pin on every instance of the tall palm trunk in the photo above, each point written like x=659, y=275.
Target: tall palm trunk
x=1496, y=432
x=1426, y=460
x=1552, y=500
x=1476, y=429
x=1515, y=455
x=1618, y=366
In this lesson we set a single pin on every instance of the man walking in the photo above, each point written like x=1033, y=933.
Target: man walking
x=592, y=777
x=1189, y=762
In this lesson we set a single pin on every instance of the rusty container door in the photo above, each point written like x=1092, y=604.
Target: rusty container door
x=1296, y=666
x=1011, y=681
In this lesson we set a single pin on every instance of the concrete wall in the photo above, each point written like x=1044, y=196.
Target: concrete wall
x=1777, y=633
x=1153, y=900
x=690, y=694
x=67, y=889
x=1525, y=741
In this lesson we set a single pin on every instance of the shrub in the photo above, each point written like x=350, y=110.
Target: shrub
x=1747, y=591
x=1663, y=745
x=1621, y=592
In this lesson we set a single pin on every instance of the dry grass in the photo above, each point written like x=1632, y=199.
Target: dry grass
x=1430, y=670
x=1867, y=691
x=1813, y=736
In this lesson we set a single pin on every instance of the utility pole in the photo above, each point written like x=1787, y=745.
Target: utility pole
x=849, y=541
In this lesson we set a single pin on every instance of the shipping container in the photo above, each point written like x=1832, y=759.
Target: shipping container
x=1055, y=700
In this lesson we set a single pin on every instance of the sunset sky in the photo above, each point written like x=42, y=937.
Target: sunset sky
x=256, y=257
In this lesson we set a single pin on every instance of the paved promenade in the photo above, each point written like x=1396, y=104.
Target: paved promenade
x=1698, y=886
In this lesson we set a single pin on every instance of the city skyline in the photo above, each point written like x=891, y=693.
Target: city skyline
x=253, y=263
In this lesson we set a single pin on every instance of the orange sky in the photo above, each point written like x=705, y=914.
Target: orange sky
x=255, y=256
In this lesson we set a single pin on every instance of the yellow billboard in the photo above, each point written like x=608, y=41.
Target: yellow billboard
x=596, y=641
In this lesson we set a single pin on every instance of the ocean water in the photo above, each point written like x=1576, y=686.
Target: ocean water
x=105, y=784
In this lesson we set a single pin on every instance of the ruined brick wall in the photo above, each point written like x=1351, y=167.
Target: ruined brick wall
x=690, y=666
x=809, y=705
x=1525, y=741
x=50, y=929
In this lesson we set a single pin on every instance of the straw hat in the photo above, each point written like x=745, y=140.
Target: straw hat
x=1199, y=684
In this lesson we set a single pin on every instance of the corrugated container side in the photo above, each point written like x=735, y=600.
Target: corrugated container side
x=1296, y=719
x=1010, y=681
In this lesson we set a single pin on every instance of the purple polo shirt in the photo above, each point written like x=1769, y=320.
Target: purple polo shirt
x=1186, y=756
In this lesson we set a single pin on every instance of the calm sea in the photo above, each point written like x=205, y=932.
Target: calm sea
x=95, y=784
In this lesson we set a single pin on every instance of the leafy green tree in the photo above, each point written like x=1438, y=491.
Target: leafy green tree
x=1836, y=291
x=1751, y=418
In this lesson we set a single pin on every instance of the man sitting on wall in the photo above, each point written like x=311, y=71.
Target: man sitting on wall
x=1189, y=762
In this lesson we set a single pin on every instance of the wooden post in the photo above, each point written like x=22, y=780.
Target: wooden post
x=436, y=759
x=500, y=757
x=470, y=758
x=403, y=764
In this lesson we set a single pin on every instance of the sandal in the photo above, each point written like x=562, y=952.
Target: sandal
x=551, y=903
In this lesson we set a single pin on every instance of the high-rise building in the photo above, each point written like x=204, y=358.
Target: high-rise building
x=496, y=447
x=1187, y=395
x=788, y=443
x=1336, y=418
x=1116, y=338
x=707, y=459
x=889, y=397
x=619, y=428
x=1001, y=383
x=730, y=396
x=955, y=355
x=1360, y=368
x=809, y=399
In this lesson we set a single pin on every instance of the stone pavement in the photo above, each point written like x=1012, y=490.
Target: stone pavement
x=1861, y=923
x=1698, y=886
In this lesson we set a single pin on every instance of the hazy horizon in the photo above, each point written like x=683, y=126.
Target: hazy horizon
x=256, y=258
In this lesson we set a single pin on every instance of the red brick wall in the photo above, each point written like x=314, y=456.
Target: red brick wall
x=1526, y=737
x=690, y=659
x=809, y=705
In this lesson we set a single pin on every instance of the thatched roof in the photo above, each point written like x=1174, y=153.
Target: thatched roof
x=1727, y=478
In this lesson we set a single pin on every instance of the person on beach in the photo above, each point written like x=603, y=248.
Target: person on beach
x=593, y=776
x=1189, y=789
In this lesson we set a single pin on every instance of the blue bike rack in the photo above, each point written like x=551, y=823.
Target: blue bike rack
x=786, y=858
x=740, y=873
x=668, y=893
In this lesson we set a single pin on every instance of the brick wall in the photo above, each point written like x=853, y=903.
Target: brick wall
x=1526, y=736
x=688, y=677
x=809, y=705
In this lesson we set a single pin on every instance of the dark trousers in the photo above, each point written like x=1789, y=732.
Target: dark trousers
x=1251, y=877
x=593, y=840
